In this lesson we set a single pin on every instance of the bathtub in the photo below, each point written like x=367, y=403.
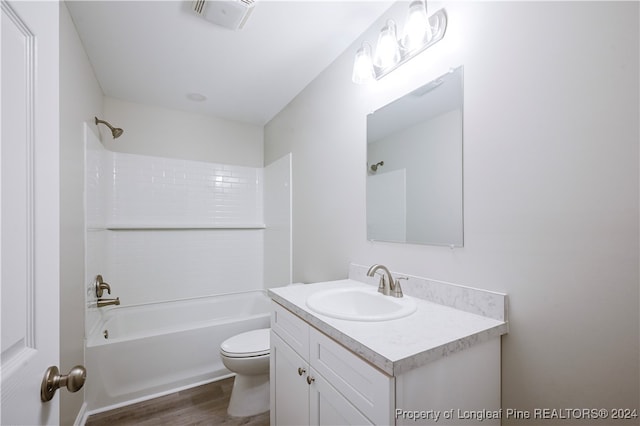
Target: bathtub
x=144, y=351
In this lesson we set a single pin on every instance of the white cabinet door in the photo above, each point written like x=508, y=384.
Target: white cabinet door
x=29, y=201
x=364, y=386
x=330, y=407
x=289, y=387
x=316, y=381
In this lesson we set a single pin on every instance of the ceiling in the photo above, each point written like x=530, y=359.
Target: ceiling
x=158, y=52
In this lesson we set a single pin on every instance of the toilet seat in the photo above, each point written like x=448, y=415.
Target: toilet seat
x=245, y=345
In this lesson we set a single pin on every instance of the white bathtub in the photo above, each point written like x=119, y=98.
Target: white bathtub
x=159, y=348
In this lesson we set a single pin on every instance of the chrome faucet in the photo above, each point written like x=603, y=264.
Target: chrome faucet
x=106, y=302
x=393, y=289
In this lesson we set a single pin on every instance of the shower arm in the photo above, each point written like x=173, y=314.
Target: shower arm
x=116, y=132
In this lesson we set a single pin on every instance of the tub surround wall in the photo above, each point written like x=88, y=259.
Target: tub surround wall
x=97, y=168
x=157, y=265
x=147, y=192
x=165, y=229
x=170, y=223
x=550, y=186
x=80, y=100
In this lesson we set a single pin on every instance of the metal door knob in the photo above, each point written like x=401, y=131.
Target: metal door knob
x=53, y=380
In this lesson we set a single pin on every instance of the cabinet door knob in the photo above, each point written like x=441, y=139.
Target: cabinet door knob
x=310, y=380
x=301, y=371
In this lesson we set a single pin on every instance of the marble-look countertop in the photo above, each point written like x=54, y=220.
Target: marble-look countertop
x=396, y=346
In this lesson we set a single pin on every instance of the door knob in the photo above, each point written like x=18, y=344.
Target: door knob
x=53, y=380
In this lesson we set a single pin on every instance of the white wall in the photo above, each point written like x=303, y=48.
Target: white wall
x=550, y=187
x=80, y=100
x=151, y=130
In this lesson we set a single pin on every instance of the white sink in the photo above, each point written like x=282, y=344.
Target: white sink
x=360, y=304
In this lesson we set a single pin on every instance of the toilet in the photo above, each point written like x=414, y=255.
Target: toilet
x=247, y=355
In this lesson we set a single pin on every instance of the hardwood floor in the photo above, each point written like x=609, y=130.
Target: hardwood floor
x=203, y=405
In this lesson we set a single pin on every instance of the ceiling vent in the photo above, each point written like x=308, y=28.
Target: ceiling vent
x=231, y=14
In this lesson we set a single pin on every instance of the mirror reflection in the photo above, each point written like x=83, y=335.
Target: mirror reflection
x=414, y=166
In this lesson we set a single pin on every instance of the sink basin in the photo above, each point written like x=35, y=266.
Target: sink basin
x=360, y=304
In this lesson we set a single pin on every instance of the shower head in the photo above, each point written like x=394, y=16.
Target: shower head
x=374, y=167
x=115, y=131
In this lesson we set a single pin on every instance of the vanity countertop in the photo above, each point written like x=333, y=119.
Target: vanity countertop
x=396, y=346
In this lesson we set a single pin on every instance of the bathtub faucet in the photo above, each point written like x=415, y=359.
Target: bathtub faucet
x=107, y=302
x=100, y=286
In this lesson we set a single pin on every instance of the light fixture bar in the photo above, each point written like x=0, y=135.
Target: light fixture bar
x=437, y=24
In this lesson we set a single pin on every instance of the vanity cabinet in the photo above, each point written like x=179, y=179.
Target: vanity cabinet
x=438, y=366
x=315, y=380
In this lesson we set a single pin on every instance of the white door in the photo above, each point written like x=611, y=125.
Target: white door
x=29, y=209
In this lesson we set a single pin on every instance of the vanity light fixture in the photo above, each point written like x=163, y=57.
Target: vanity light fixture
x=387, y=50
x=363, y=66
x=420, y=32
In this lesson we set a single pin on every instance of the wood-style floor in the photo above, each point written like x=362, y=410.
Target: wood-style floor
x=202, y=405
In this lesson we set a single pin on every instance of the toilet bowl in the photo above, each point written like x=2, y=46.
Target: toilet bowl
x=247, y=355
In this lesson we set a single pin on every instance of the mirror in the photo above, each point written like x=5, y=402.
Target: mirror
x=414, y=166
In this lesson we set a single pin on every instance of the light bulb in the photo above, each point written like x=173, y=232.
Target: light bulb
x=417, y=30
x=387, y=49
x=363, y=65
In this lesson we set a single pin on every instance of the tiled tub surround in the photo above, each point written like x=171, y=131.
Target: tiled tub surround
x=163, y=229
x=140, y=192
x=450, y=318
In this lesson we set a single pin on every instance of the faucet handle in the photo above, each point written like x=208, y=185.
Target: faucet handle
x=100, y=286
x=382, y=284
x=397, y=290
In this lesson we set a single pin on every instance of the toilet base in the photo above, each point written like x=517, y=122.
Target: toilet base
x=249, y=396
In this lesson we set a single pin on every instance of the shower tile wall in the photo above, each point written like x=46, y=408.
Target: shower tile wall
x=98, y=164
x=190, y=206
x=153, y=190
x=156, y=265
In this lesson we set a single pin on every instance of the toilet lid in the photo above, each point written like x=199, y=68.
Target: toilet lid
x=251, y=343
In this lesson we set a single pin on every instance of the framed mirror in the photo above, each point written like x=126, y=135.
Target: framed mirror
x=414, y=166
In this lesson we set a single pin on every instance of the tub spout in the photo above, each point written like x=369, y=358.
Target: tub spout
x=106, y=302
